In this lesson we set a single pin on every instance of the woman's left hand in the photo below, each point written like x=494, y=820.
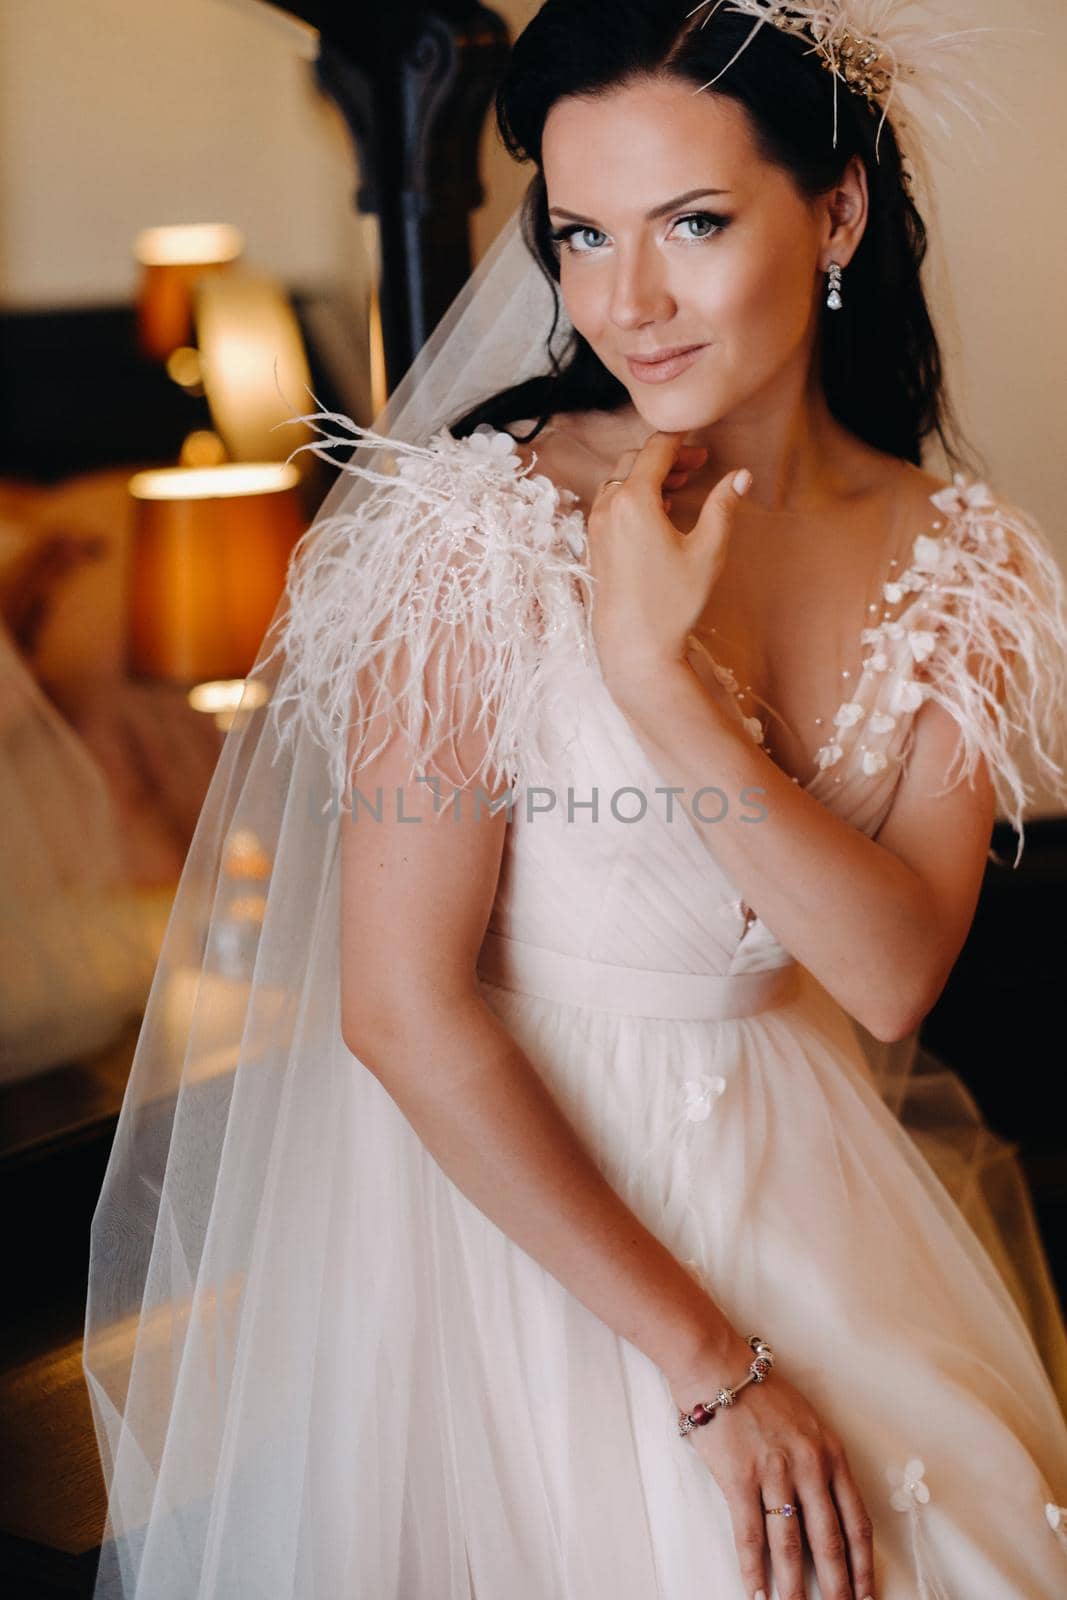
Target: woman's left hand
x=653, y=582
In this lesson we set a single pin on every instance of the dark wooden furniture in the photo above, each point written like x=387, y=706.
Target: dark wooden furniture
x=413, y=80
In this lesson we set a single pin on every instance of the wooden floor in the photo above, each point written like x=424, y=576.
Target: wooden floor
x=51, y=1491
x=52, y=1498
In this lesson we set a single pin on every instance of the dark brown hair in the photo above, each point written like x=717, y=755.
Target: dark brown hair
x=880, y=361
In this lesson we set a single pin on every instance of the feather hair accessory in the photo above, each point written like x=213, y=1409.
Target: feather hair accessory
x=880, y=49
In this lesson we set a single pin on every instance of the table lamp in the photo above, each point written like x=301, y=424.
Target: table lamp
x=208, y=560
x=173, y=259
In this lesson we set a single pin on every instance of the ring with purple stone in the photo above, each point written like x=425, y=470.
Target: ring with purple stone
x=780, y=1511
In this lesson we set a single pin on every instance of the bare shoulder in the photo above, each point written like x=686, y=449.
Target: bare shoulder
x=917, y=487
x=904, y=493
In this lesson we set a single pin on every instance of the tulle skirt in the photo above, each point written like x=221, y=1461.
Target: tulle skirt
x=409, y=1407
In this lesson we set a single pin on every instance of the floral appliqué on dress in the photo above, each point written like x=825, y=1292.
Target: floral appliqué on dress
x=981, y=631
x=701, y=1094
x=909, y=1492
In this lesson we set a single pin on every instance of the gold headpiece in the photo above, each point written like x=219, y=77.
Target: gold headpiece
x=873, y=47
x=862, y=64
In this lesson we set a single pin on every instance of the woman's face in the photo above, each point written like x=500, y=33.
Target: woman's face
x=731, y=261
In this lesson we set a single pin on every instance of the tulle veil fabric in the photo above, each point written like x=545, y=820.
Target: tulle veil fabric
x=210, y=1238
x=215, y=1231
x=77, y=944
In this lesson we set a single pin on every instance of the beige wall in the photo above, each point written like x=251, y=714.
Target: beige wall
x=123, y=113
x=1004, y=226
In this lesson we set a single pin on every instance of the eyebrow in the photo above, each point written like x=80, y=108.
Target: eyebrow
x=657, y=211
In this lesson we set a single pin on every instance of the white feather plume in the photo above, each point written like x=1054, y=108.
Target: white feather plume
x=994, y=600
x=930, y=70
x=454, y=588
x=440, y=602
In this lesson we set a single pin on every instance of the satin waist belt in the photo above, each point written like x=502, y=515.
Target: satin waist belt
x=632, y=991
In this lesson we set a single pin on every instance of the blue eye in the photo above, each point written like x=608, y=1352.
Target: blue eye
x=717, y=223
x=565, y=237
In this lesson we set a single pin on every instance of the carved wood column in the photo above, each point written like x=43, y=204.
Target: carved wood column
x=413, y=82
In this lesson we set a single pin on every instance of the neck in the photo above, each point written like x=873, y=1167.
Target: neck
x=797, y=453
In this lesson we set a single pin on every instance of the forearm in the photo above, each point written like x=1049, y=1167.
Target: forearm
x=492, y=1125
x=849, y=910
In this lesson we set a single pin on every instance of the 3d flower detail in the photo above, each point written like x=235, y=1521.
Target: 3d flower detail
x=874, y=761
x=725, y=676
x=537, y=487
x=699, y=1095
x=962, y=496
x=908, y=696
x=574, y=534
x=908, y=1485
x=878, y=662
x=998, y=538
x=927, y=553
x=847, y=715
x=921, y=643
x=755, y=728
x=893, y=592
x=828, y=755
x=486, y=441
x=881, y=722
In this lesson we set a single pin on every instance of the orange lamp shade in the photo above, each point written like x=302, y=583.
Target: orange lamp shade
x=172, y=261
x=208, y=560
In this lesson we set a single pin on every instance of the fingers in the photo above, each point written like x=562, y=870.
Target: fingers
x=856, y=1524
x=657, y=456
x=727, y=492
x=664, y=459
x=750, y=1540
x=823, y=1530
x=715, y=522
x=784, y=1536
x=663, y=463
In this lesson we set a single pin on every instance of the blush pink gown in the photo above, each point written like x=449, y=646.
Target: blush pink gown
x=413, y=1407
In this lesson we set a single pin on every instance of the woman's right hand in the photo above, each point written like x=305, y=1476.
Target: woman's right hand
x=769, y=1449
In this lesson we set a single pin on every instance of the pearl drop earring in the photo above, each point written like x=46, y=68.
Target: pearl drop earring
x=833, y=298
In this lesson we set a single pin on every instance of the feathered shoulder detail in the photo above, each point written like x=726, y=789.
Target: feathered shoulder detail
x=437, y=599
x=991, y=636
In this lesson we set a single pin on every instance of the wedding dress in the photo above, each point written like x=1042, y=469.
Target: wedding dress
x=316, y=1369
x=334, y=1375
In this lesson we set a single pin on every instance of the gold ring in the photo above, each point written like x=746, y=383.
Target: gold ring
x=780, y=1511
x=612, y=480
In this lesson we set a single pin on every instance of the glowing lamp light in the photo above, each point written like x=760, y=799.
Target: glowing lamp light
x=173, y=259
x=209, y=555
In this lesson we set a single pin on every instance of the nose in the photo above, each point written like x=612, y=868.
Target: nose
x=639, y=288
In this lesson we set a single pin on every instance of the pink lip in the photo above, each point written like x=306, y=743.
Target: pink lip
x=666, y=366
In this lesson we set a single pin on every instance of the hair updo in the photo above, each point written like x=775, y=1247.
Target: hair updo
x=881, y=364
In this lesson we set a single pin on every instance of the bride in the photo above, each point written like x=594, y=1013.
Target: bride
x=508, y=1203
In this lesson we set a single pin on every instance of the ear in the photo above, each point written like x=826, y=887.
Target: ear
x=846, y=207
